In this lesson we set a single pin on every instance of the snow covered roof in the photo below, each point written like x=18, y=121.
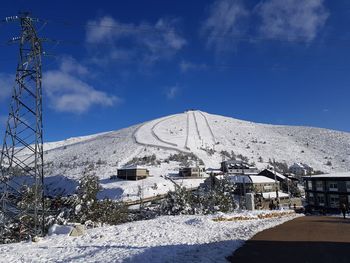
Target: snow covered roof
x=260, y=179
x=300, y=165
x=214, y=171
x=279, y=175
x=190, y=168
x=237, y=179
x=332, y=175
x=297, y=165
x=133, y=167
x=269, y=195
x=248, y=179
x=241, y=179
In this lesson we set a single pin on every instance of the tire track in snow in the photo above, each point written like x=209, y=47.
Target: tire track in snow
x=210, y=130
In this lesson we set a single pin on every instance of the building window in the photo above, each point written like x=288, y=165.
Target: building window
x=334, y=201
x=267, y=187
x=320, y=199
x=333, y=186
x=311, y=198
x=319, y=185
x=309, y=185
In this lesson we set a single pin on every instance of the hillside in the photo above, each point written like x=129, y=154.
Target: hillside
x=203, y=134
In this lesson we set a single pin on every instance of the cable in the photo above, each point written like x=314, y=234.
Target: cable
x=150, y=29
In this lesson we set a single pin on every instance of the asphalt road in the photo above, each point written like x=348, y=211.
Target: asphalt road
x=308, y=239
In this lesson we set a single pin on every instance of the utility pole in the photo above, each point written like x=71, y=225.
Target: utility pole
x=274, y=171
x=22, y=161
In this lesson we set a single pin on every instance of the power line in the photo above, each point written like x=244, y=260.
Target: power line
x=150, y=29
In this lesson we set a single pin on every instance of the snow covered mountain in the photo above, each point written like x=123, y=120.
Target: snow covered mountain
x=203, y=134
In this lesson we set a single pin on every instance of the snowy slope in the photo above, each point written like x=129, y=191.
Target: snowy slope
x=192, y=131
x=164, y=239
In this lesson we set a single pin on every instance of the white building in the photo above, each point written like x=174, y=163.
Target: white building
x=300, y=169
x=238, y=167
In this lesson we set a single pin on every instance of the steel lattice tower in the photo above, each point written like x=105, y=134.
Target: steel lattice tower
x=21, y=163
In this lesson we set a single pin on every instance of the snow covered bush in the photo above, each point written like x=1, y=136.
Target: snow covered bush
x=145, y=160
x=210, y=198
x=84, y=206
x=20, y=227
x=185, y=159
x=89, y=208
x=217, y=196
x=178, y=202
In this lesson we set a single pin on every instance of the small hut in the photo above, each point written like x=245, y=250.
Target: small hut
x=133, y=173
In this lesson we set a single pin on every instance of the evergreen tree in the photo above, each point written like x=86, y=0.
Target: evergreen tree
x=178, y=202
x=217, y=196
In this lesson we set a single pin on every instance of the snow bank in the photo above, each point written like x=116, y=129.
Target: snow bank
x=164, y=239
x=60, y=230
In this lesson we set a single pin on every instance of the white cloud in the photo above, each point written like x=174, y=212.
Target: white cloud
x=6, y=84
x=292, y=19
x=172, y=92
x=70, y=65
x=186, y=66
x=67, y=92
x=144, y=43
x=226, y=18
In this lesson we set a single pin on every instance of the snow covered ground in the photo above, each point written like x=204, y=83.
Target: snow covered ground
x=164, y=239
x=203, y=134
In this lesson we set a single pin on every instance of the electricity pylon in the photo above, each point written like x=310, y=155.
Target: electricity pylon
x=21, y=161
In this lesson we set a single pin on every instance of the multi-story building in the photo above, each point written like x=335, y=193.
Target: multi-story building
x=328, y=191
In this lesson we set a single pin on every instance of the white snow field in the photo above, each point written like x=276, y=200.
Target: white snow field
x=164, y=239
x=191, y=131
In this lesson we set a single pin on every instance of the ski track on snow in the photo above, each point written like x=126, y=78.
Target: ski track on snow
x=208, y=125
x=157, y=136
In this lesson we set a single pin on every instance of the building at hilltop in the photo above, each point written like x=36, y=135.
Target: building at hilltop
x=237, y=167
x=300, y=169
x=327, y=191
x=133, y=173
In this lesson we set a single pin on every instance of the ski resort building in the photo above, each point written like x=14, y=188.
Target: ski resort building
x=251, y=183
x=300, y=169
x=192, y=171
x=237, y=167
x=327, y=191
x=133, y=173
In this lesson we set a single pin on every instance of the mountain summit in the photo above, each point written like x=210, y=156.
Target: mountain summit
x=208, y=137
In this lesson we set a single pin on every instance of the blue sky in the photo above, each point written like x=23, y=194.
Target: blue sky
x=120, y=63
